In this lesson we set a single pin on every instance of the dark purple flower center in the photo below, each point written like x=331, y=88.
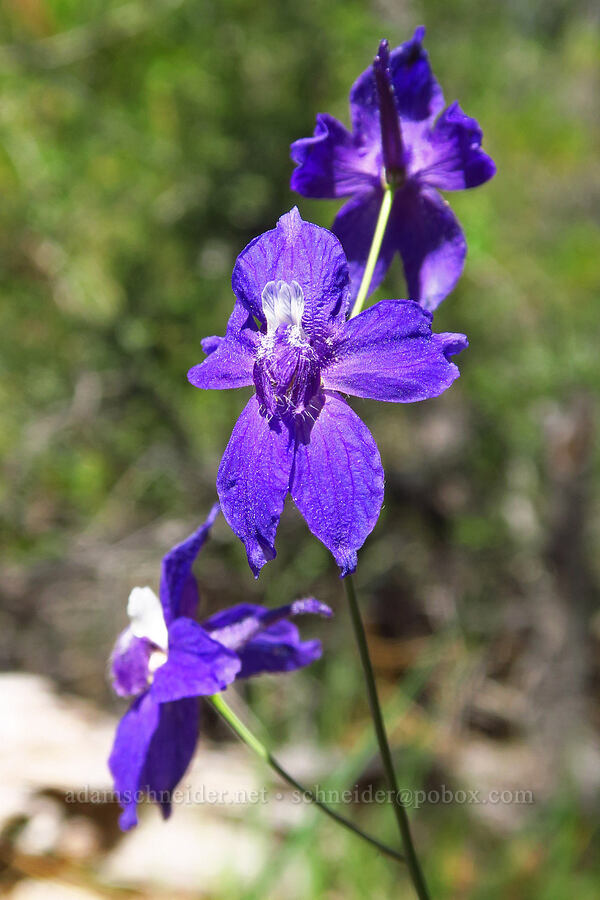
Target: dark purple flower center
x=286, y=372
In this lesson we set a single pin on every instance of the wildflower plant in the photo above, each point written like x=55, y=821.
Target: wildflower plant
x=290, y=337
x=299, y=336
x=403, y=147
x=165, y=660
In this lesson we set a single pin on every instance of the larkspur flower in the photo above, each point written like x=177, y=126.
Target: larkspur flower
x=289, y=337
x=403, y=136
x=166, y=660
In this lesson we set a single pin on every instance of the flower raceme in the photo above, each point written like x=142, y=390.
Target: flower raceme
x=402, y=137
x=289, y=337
x=166, y=660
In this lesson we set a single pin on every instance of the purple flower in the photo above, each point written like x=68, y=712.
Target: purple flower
x=402, y=135
x=289, y=337
x=166, y=660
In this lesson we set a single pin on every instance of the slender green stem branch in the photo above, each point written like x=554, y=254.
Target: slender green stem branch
x=259, y=748
x=412, y=861
x=382, y=220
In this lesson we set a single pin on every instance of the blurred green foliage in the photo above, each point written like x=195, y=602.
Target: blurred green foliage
x=142, y=145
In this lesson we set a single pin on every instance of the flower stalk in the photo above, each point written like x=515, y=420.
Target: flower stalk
x=382, y=220
x=412, y=860
x=250, y=739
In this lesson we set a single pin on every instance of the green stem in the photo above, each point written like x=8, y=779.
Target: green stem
x=259, y=748
x=382, y=220
x=412, y=861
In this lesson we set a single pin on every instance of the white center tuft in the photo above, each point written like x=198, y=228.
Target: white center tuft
x=147, y=619
x=283, y=304
x=157, y=659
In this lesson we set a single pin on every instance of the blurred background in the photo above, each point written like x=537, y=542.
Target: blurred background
x=142, y=145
